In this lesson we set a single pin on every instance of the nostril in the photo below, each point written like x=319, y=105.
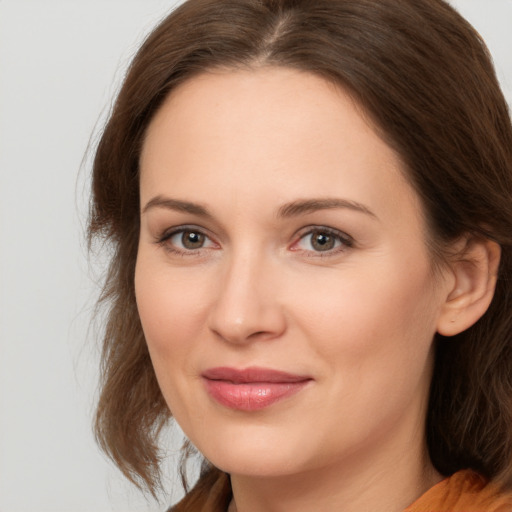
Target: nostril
x=258, y=334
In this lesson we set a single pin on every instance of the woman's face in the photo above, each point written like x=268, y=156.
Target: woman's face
x=283, y=280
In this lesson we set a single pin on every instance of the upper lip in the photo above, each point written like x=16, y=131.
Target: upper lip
x=251, y=374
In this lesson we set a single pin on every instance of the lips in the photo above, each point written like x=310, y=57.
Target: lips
x=251, y=389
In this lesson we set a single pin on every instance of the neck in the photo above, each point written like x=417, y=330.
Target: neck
x=385, y=483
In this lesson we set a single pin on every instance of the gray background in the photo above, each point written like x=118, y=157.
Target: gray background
x=60, y=65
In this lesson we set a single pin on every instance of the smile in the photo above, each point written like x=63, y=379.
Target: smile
x=251, y=389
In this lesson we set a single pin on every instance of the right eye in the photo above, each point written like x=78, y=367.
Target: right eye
x=186, y=241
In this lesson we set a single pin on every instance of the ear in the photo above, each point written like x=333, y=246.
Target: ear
x=474, y=273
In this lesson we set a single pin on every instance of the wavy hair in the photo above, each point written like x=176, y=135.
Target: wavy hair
x=425, y=78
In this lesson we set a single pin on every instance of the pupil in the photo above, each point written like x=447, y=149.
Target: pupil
x=192, y=240
x=323, y=242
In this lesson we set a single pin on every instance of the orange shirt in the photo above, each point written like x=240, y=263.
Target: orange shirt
x=465, y=491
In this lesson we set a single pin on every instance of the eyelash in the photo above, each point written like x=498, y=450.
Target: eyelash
x=344, y=241
x=164, y=239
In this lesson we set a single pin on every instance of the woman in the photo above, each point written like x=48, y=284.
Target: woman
x=310, y=208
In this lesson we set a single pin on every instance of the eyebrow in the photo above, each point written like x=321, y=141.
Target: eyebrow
x=292, y=209
x=176, y=205
x=300, y=207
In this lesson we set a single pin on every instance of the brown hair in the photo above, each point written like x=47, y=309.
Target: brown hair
x=425, y=77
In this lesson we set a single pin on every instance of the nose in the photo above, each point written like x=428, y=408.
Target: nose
x=247, y=305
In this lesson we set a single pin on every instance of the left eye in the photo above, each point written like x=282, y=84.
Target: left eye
x=321, y=240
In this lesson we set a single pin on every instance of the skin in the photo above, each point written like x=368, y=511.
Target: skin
x=358, y=319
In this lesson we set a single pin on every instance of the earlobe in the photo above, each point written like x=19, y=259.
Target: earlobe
x=475, y=273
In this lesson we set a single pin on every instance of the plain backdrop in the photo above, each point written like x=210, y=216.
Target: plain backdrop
x=61, y=63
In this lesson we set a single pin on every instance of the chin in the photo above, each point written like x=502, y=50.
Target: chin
x=262, y=465
x=257, y=450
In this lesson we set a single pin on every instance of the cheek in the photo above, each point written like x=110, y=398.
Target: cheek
x=372, y=340
x=380, y=317
x=171, y=309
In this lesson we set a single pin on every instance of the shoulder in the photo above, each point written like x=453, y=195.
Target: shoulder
x=465, y=491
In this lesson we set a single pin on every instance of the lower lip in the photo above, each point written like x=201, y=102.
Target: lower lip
x=251, y=396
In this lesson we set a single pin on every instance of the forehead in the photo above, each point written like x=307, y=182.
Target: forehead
x=282, y=104
x=273, y=133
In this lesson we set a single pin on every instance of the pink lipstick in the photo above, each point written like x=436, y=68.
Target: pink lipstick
x=251, y=389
